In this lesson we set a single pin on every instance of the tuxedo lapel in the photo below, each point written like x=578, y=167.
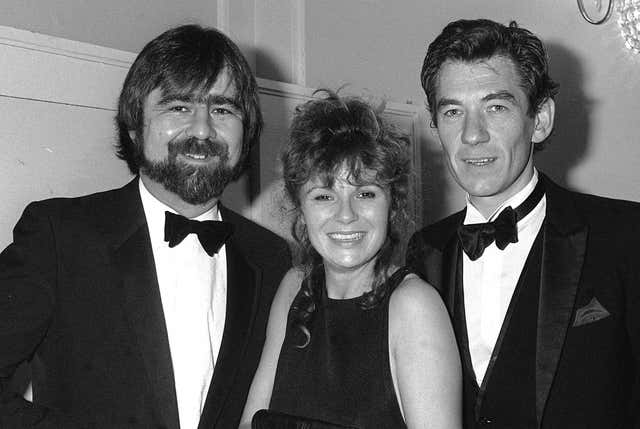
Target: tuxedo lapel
x=135, y=265
x=562, y=259
x=452, y=273
x=441, y=254
x=243, y=280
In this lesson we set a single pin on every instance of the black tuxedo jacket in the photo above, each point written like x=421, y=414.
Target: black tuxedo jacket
x=587, y=362
x=79, y=295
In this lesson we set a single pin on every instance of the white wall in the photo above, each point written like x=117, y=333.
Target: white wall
x=121, y=24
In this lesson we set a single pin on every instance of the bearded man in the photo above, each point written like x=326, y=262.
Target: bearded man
x=146, y=306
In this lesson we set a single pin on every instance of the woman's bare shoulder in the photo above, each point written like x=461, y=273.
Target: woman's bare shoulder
x=289, y=286
x=415, y=299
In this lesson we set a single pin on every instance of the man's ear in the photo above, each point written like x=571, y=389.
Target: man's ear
x=434, y=132
x=544, y=121
x=132, y=135
x=432, y=126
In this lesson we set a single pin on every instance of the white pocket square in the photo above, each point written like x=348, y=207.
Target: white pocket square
x=592, y=312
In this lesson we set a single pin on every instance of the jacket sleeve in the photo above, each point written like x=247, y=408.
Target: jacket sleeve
x=27, y=280
x=632, y=304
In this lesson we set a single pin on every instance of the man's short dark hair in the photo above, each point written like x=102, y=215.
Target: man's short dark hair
x=482, y=39
x=184, y=60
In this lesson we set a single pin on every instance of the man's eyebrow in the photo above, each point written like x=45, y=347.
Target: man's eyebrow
x=500, y=95
x=447, y=102
x=219, y=99
x=181, y=98
x=216, y=99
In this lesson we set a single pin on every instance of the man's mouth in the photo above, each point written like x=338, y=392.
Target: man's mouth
x=479, y=162
x=200, y=151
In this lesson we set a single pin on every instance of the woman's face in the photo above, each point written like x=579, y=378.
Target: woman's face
x=346, y=223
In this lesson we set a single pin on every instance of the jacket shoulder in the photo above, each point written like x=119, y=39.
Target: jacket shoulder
x=439, y=233
x=98, y=202
x=258, y=242
x=614, y=218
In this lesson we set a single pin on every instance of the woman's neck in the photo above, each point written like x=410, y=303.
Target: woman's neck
x=348, y=283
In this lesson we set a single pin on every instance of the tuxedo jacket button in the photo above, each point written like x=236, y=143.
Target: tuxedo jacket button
x=486, y=421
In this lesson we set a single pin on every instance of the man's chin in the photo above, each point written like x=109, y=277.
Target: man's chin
x=192, y=182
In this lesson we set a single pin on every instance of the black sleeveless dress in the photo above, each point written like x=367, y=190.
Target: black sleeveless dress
x=343, y=375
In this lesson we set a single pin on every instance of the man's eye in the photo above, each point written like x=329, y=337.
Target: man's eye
x=451, y=113
x=222, y=111
x=497, y=108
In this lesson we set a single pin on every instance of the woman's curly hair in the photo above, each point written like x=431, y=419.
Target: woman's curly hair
x=328, y=135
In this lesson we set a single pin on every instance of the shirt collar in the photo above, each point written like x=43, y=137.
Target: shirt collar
x=154, y=211
x=474, y=216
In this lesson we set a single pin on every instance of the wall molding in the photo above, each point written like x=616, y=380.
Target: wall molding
x=222, y=22
x=299, y=42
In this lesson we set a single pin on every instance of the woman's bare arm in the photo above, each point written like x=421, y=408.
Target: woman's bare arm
x=424, y=357
x=262, y=385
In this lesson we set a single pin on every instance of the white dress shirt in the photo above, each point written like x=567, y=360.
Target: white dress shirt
x=489, y=281
x=193, y=288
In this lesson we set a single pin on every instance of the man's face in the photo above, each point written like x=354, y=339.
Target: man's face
x=192, y=145
x=484, y=128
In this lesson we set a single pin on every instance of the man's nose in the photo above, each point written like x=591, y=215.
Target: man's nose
x=475, y=129
x=201, y=125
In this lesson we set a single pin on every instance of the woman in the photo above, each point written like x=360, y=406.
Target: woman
x=353, y=339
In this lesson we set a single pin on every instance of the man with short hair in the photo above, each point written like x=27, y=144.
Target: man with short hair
x=541, y=282
x=146, y=306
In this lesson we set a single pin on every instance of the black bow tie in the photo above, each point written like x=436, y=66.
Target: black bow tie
x=211, y=233
x=475, y=237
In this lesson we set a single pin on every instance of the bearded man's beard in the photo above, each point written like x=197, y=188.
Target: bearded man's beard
x=193, y=183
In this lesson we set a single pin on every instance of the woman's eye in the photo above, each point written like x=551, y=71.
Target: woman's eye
x=367, y=194
x=322, y=197
x=179, y=108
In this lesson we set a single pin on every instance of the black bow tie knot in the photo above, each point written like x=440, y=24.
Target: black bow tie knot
x=211, y=233
x=476, y=237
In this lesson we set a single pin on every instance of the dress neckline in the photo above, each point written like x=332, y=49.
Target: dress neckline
x=394, y=279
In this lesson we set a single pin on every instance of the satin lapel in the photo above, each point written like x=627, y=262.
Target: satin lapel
x=134, y=261
x=451, y=272
x=564, y=247
x=243, y=280
x=453, y=276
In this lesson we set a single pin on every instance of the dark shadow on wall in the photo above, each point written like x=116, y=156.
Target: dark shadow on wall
x=441, y=194
x=568, y=144
x=259, y=194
